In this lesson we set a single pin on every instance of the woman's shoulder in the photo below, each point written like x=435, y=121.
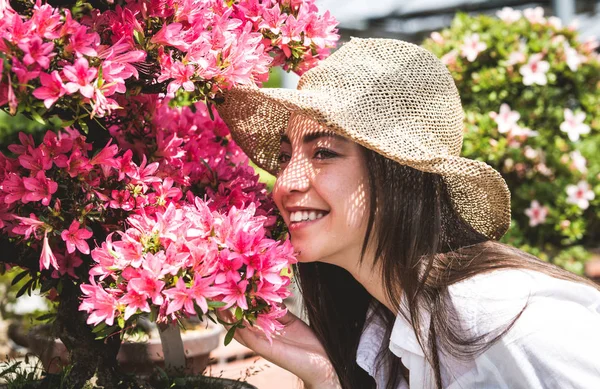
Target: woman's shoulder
x=486, y=302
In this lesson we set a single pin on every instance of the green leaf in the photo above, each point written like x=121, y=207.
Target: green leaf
x=216, y=304
x=36, y=116
x=229, y=335
x=99, y=328
x=121, y=322
x=239, y=313
x=25, y=288
x=19, y=277
x=46, y=317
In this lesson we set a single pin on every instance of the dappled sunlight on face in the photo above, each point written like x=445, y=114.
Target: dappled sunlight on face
x=322, y=192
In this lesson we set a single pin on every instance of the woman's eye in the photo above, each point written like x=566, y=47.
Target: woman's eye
x=284, y=158
x=322, y=153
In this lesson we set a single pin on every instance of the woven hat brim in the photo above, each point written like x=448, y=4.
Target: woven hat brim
x=258, y=117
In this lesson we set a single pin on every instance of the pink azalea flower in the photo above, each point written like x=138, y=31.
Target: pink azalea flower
x=200, y=290
x=269, y=322
x=28, y=225
x=80, y=77
x=574, y=125
x=46, y=20
x=47, y=258
x=133, y=302
x=51, y=90
x=471, y=47
x=506, y=119
x=509, y=15
x=36, y=51
x=535, y=15
x=291, y=32
x=121, y=199
x=75, y=238
x=580, y=194
x=67, y=264
x=39, y=188
x=181, y=75
x=180, y=297
x=13, y=188
x=99, y=304
x=149, y=286
x=235, y=293
x=83, y=43
x=36, y=159
x=273, y=19
x=537, y=213
x=170, y=35
x=534, y=71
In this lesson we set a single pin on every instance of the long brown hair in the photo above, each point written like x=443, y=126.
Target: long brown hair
x=423, y=246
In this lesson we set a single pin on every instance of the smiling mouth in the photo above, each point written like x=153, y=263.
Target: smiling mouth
x=308, y=215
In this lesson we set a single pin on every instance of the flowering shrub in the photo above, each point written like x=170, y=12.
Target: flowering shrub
x=531, y=94
x=140, y=202
x=181, y=260
x=79, y=60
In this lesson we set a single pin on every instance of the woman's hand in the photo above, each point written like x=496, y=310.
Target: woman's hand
x=295, y=349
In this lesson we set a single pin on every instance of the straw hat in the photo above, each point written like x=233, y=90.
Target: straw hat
x=390, y=96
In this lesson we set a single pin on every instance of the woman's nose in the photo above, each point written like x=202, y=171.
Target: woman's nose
x=296, y=176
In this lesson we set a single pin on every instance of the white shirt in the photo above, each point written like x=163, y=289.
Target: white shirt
x=554, y=344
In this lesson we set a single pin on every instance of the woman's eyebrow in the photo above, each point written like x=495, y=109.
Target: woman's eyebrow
x=314, y=136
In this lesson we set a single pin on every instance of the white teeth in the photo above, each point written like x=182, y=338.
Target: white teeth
x=299, y=216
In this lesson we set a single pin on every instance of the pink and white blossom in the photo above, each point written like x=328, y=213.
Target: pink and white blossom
x=574, y=125
x=506, y=119
x=537, y=213
x=509, y=15
x=534, y=71
x=535, y=15
x=580, y=194
x=471, y=47
x=578, y=161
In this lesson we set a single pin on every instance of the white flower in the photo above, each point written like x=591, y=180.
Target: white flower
x=472, y=47
x=506, y=119
x=574, y=125
x=437, y=38
x=537, y=213
x=509, y=15
x=578, y=161
x=449, y=58
x=534, y=71
x=517, y=56
x=580, y=194
x=535, y=15
x=555, y=22
x=573, y=58
x=530, y=152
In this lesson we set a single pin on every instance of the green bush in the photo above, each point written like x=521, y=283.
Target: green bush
x=531, y=93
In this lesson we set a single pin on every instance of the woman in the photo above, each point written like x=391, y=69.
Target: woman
x=403, y=281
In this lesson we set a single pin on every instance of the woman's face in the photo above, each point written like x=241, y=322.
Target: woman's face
x=322, y=192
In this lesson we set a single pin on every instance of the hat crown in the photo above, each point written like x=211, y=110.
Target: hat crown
x=392, y=91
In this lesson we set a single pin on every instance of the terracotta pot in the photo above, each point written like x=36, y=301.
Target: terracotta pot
x=138, y=358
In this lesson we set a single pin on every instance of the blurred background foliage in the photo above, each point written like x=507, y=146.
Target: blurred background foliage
x=537, y=158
